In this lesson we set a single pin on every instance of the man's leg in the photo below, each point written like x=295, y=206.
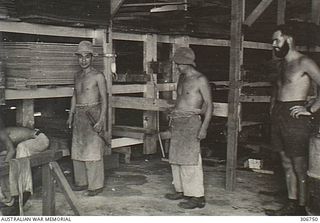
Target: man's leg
x=301, y=167
x=80, y=174
x=291, y=178
x=95, y=172
x=176, y=177
x=192, y=183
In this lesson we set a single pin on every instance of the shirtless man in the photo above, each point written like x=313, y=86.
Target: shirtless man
x=187, y=129
x=290, y=124
x=88, y=119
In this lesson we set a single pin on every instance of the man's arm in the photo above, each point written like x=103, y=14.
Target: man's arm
x=205, y=91
x=103, y=98
x=8, y=144
x=312, y=69
x=72, y=110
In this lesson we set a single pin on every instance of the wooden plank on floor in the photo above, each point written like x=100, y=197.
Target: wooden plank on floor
x=66, y=189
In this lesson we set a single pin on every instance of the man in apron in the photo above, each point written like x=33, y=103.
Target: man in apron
x=187, y=129
x=88, y=119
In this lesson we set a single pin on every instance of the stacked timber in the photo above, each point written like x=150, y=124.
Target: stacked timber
x=28, y=65
x=67, y=12
x=7, y=9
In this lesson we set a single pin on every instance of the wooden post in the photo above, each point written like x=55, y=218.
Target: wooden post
x=25, y=113
x=281, y=12
x=104, y=38
x=150, y=117
x=315, y=13
x=236, y=60
x=48, y=192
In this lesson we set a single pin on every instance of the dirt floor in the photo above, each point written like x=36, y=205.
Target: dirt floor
x=138, y=189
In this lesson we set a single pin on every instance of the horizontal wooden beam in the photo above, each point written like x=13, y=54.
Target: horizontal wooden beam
x=128, y=88
x=257, y=12
x=153, y=4
x=58, y=92
x=49, y=30
x=139, y=103
x=121, y=142
x=244, y=98
x=35, y=160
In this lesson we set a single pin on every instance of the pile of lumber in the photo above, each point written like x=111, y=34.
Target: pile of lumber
x=7, y=9
x=67, y=12
x=28, y=65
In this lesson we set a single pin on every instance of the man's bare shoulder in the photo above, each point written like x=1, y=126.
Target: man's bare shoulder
x=202, y=79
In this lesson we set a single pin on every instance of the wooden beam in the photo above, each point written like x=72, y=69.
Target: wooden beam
x=115, y=6
x=138, y=103
x=236, y=60
x=257, y=12
x=121, y=142
x=154, y=4
x=66, y=189
x=281, y=12
x=25, y=113
x=48, y=192
x=49, y=30
x=315, y=14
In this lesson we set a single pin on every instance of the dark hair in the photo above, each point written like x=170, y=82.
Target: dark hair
x=286, y=29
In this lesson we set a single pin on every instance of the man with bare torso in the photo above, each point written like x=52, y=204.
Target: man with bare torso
x=187, y=129
x=290, y=122
x=88, y=119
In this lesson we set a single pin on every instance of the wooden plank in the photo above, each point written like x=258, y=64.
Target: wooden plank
x=39, y=93
x=153, y=4
x=25, y=113
x=245, y=98
x=66, y=189
x=281, y=12
x=167, y=87
x=315, y=13
x=48, y=192
x=115, y=6
x=220, y=109
x=127, y=36
x=147, y=104
x=39, y=29
x=236, y=60
x=257, y=12
x=150, y=118
x=121, y=142
x=128, y=88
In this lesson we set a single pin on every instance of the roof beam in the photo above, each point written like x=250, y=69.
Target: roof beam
x=115, y=6
x=256, y=13
x=281, y=12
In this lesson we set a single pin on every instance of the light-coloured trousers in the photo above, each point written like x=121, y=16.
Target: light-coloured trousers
x=32, y=146
x=89, y=173
x=188, y=179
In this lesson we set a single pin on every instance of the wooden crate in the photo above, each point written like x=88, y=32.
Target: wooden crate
x=38, y=64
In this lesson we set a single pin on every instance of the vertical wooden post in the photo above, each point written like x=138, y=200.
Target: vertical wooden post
x=2, y=76
x=149, y=117
x=315, y=13
x=104, y=38
x=25, y=113
x=48, y=192
x=236, y=60
x=281, y=12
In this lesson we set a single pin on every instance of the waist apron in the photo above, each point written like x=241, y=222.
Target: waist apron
x=87, y=145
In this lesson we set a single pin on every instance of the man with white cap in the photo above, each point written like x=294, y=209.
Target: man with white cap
x=88, y=118
x=187, y=129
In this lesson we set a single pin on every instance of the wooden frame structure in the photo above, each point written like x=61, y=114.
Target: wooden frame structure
x=150, y=103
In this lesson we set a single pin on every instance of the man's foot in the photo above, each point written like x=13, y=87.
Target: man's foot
x=291, y=209
x=79, y=188
x=193, y=202
x=92, y=193
x=175, y=196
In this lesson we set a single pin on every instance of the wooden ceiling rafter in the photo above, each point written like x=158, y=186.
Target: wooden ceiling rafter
x=257, y=12
x=115, y=6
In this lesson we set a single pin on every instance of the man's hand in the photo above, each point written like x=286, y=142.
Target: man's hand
x=98, y=126
x=202, y=134
x=69, y=122
x=297, y=110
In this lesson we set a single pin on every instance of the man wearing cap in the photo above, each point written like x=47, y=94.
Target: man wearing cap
x=187, y=129
x=88, y=118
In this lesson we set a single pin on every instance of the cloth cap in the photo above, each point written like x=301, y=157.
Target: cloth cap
x=85, y=47
x=184, y=55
